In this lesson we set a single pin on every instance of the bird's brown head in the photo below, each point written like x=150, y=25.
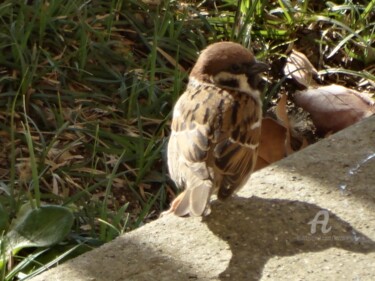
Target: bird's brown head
x=228, y=65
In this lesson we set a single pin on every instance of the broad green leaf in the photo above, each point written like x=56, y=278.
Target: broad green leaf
x=41, y=227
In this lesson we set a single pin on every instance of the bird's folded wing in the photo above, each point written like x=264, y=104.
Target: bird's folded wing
x=235, y=152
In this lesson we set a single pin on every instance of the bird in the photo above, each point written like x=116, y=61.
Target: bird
x=215, y=128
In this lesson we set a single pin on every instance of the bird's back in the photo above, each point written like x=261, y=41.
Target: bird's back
x=213, y=138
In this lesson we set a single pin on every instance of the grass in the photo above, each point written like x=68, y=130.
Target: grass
x=87, y=87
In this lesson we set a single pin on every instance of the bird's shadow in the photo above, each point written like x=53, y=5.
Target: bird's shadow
x=258, y=229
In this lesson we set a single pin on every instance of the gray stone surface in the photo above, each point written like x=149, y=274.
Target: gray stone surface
x=264, y=233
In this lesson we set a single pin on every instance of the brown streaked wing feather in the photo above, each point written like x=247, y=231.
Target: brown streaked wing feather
x=191, y=129
x=236, y=152
x=212, y=135
x=188, y=150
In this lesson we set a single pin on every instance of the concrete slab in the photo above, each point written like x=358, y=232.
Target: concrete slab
x=310, y=216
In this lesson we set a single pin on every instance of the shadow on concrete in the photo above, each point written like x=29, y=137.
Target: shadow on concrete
x=258, y=229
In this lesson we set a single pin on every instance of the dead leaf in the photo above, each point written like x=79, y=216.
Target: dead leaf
x=282, y=115
x=24, y=170
x=299, y=68
x=88, y=170
x=334, y=107
x=272, y=143
x=281, y=111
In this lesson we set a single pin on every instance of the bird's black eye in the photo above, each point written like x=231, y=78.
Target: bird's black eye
x=235, y=68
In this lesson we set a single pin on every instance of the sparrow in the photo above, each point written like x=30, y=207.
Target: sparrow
x=215, y=128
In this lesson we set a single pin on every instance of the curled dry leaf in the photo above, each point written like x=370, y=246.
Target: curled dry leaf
x=282, y=115
x=272, y=143
x=276, y=137
x=334, y=107
x=299, y=68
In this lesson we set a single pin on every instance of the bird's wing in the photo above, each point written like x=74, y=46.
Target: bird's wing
x=189, y=147
x=213, y=144
x=236, y=149
x=189, y=142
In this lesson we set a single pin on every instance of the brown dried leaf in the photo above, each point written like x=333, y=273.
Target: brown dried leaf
x=89, y=171
x=334, y=107
x=272, y=143
x=281, y=111
x=299, y=68
x=24, y=170
x=282, y=115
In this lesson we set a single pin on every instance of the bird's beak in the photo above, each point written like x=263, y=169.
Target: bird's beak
x=258, y=67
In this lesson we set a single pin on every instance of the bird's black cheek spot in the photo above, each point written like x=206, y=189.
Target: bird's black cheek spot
x=230, y=83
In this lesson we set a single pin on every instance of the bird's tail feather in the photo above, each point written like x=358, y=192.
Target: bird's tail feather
x=195, y=199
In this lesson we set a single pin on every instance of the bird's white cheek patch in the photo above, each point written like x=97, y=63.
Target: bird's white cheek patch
x=242, y=83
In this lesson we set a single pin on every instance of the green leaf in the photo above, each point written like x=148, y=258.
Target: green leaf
x=41, y=227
